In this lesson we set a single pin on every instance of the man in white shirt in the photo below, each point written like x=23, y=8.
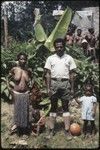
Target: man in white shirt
x=59, y=76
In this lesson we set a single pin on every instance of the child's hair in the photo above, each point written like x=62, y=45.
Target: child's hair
x=88, y=87
x=88, y=83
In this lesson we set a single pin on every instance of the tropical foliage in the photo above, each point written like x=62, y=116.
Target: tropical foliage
x=61, y=28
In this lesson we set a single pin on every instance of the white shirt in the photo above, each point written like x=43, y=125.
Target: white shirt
x=87, y=107
x=60, y=66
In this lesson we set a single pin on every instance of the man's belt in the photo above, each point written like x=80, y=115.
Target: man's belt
x=59, y=79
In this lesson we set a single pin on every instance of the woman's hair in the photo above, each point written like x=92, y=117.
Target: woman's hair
x=20, y=54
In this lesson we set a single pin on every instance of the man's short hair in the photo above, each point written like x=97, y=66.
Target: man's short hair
x=20, y=54
x=91, y=30
x=59, y=40
x=79, y=29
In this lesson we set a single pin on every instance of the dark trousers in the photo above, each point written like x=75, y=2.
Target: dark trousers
x=54, y=105
x=85, y=126
x=60, y=90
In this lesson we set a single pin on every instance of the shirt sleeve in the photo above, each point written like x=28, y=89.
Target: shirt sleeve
x=94, y=99
x=48, y=64
x=81, y=99
x=72, y=63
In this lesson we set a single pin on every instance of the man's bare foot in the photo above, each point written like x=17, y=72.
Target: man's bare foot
x=13, y=129
x=68, y=134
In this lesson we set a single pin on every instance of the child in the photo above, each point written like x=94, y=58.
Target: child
x=88, y=102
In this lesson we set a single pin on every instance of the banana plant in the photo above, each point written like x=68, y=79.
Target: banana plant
x=39, y=31
x=59, y=30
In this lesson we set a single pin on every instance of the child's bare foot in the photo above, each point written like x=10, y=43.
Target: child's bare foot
x=92, y=135
x=86, y=136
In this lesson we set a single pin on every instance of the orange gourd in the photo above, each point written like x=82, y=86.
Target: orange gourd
x=75, y=129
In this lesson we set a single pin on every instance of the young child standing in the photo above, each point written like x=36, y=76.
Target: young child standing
x=88, y=103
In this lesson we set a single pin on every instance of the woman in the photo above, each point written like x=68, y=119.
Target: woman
x=21, y=76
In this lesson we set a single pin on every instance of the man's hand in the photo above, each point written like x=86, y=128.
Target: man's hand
x=93, y=114
x=72, y=92
x=49, y=92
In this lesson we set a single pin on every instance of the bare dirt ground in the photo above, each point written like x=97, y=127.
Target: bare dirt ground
x=59, y=140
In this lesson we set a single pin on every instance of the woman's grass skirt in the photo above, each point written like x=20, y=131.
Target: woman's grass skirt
x=21, y=109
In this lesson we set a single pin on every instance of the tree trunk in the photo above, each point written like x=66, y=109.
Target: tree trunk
x=5, y=28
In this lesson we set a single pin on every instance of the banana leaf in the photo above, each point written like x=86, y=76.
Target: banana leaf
x=60, y=29
x=39, y=31
x=46, y=111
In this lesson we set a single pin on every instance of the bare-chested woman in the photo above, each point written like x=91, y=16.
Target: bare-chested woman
x=21, y=76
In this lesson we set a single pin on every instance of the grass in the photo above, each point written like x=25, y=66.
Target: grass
x=58, y=141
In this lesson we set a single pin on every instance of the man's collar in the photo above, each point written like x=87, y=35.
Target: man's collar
x=62, y=55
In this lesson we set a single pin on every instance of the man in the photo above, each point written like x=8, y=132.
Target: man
x=59, y=74
x=92, y=41
x=78, y=37
x=85, y=47
x=21, y=76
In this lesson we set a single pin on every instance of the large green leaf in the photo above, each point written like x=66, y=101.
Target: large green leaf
x=39, y=32
x=40, y=69
x=45, y=102
x=3, y=87
x=60, y=29
x=3, y=79
x=6, y=91
x=46, y=111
